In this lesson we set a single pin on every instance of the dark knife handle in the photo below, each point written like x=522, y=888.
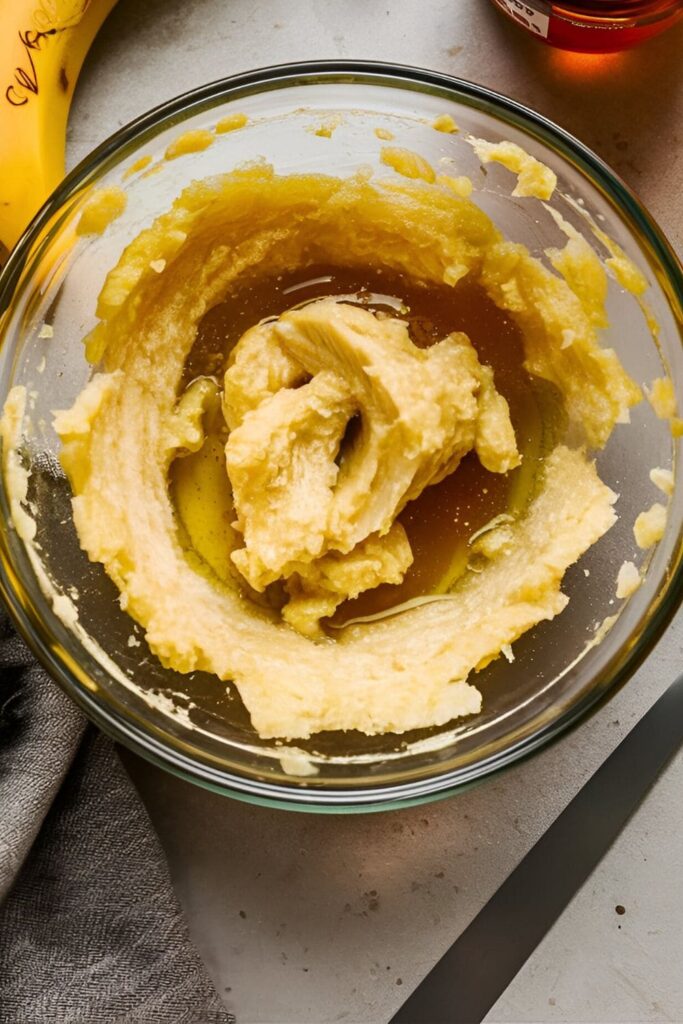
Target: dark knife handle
x=481, y=963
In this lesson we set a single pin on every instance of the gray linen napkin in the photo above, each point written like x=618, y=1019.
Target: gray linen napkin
x=90, y=929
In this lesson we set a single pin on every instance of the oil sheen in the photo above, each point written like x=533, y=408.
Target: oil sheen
x=441, y=521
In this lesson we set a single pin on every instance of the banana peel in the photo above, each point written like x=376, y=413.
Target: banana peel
x=43, y=44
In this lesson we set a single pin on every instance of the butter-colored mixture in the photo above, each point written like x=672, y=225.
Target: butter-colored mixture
x=533, y=177
x=321, y=526
x=628, y=580
x=650, y=525
x=330, y=530
x=100, y=209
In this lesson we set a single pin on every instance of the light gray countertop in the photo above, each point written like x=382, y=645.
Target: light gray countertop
x=321, y=919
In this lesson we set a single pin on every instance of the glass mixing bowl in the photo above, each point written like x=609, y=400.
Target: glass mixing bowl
x=194, y=725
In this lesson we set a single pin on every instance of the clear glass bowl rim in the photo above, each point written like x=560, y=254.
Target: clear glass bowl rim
x=297, y=796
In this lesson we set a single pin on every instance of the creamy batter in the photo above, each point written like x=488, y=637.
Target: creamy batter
x=321, y=527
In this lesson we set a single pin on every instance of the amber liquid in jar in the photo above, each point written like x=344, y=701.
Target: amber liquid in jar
x=593, y=26
x=440, y=522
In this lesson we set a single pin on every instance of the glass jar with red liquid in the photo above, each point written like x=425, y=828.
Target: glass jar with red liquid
x=593, y=26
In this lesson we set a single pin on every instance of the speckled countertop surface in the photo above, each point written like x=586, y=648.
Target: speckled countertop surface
x=323, y=919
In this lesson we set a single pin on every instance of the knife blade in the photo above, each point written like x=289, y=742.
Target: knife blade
x=481, y=963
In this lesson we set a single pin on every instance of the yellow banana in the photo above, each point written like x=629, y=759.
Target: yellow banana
x=42, y=47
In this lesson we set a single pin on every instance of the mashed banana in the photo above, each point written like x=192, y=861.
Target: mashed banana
x=323, y=527
x=330, y=530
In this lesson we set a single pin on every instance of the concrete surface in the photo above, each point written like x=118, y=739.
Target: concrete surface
x=304, y=919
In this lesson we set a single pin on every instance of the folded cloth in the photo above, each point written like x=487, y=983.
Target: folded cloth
x=90, y=929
